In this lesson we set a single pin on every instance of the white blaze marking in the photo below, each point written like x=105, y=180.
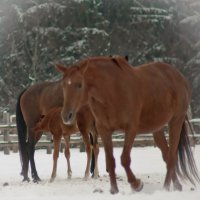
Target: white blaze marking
x=69, y=82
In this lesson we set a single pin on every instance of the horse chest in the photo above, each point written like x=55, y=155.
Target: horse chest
x=105, y=115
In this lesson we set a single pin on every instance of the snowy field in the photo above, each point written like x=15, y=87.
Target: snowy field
x=146, y=163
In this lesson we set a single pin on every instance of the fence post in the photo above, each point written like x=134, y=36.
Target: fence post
x=49, y=149
x=7, y=139
x=6, y=118
x=15, y=148
x=82, y=147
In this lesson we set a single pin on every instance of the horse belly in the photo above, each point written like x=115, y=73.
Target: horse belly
x=154, y=121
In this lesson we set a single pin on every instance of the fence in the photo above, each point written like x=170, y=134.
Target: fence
x=9, y=139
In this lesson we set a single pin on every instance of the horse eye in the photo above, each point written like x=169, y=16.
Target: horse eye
x=78, y=85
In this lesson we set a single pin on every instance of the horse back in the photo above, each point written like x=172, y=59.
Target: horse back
x=160, y=78
x=38, y=99
x=164, y=94
x=150, y=94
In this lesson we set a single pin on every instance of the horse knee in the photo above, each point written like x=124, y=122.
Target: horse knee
x=67, y=153
x=88, y=148
x=125, y=161
x=55, y=156
x=171, y=163
x=67, y=156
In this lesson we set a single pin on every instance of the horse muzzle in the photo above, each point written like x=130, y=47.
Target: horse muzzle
x=68, y=118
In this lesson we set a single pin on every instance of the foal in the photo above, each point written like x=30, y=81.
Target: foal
x=53, y=123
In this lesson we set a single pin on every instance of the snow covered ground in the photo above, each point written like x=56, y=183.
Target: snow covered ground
x=146, y=163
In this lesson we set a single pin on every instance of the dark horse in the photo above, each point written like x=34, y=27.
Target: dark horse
x=52, y=122
x=33, y=103
x=136, y=100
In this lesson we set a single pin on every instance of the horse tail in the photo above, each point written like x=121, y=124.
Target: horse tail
x=186, y=166
x=21, y=129
x=92, y=166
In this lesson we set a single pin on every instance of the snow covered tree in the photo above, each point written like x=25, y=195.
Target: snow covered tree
x=36, y=34
x=190, y=29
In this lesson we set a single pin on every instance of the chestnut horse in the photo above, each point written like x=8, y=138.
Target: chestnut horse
x=135, y=100
x=52, y=122
x=33, y=103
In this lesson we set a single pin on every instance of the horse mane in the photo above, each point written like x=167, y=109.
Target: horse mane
x=121, y=62
x=116, y=56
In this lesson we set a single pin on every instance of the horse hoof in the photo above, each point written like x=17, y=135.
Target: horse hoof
x=26, y=180
x=114, y=190
x=85, y=178
x=36, y=180
x=167, y=188
x=95, y=176
x=51, y=180
x=137, y=186
x=177, y=186
x=69, y=177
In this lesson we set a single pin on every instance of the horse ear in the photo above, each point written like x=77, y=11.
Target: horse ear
x=126, y=57
x=42, y=116
x=82, y=68
x=61, y=68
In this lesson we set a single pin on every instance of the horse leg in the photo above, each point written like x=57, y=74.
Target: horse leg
x=175, y=126
x=96, y=152
x=25, y=163
x=67, y=156
x=106, y=137
x=31, y=150
x=86, y=141
x=56, y=141
x=136, y=184
x=162, y=144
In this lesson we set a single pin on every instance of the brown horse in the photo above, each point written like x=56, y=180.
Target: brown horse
x=136, y=100
x=53, y=123
x=32, y=103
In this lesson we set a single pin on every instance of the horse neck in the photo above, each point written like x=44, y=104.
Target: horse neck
x=110, y=72
x=52, y=119
x=50, y=96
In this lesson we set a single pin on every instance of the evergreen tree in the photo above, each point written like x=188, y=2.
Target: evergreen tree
x=36, y=34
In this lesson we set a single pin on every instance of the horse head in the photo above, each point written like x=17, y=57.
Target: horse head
x=73, y=92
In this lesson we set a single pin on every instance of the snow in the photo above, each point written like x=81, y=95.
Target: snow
x=192, y=20
x=150, y=14
x=93, y=31
x=147, y=164
x=45, y=7
x=19, y=12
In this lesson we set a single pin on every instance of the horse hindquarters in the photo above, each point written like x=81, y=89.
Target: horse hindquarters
x=180, y=157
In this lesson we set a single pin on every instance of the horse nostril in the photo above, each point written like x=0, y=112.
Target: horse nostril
x=70, y=115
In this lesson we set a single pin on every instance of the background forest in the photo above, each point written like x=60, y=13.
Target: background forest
x=36, y=34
